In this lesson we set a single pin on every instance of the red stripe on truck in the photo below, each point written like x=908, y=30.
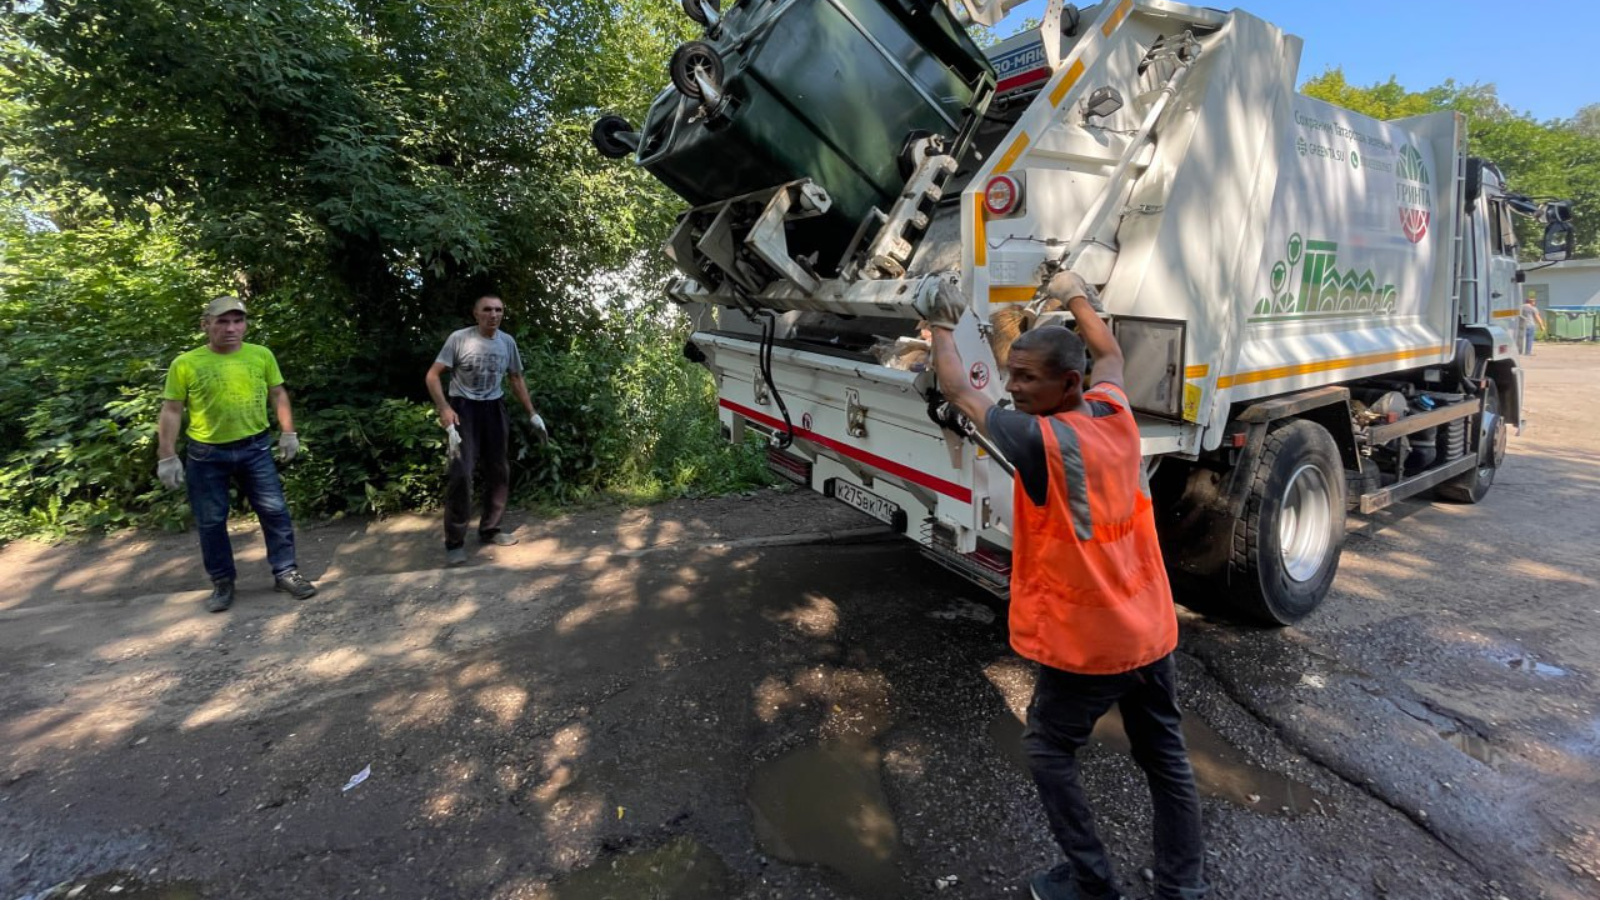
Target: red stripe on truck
x=1032, y=76
x=887, y=466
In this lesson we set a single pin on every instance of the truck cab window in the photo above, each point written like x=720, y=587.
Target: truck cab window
x=1505, y=232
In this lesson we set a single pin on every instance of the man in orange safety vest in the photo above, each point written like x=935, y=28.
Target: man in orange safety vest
x=1090, y=601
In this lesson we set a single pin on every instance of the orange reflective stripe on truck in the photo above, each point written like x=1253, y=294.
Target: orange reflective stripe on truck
x=1326, y=365
x=1116, y=17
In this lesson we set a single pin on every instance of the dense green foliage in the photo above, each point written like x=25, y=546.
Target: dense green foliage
x=360, y=172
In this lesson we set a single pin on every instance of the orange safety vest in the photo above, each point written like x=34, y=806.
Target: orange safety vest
x=1089, y=591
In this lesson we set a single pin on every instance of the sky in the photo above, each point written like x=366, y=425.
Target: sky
x=1539, y=54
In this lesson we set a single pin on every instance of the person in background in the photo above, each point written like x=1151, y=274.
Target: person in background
x=1532, y=321
x=1090, y=601
x=479, y=358
x=226, y=386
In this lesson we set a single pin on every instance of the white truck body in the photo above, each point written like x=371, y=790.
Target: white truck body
x=1254, y=249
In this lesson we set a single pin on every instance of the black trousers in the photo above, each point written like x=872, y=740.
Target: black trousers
x=484, y=428
x=1061, y=716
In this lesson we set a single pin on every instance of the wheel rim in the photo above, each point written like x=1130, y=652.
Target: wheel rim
x=698, y=63
x=1305, y=523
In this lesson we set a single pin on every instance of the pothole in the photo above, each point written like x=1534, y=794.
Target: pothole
x=824, y=805
x=1476, y=747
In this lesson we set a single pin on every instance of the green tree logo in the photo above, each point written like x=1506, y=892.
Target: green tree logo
x=1308, y=283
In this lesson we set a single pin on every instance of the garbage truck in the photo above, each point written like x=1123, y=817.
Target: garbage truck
x=1317, y=308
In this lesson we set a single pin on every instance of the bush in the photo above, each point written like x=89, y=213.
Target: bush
x=86, y=319
x=91, y=317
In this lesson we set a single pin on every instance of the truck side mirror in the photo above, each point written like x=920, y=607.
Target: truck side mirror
x=1558, y=237
x=1558, y=232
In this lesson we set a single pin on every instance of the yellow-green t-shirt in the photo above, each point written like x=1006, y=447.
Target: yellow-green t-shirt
x=226, y=393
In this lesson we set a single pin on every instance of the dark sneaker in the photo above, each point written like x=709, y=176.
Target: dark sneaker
x=455, y=556
x=499, y=539
x=294, y=584
x=1060, y=884
x=221, y=598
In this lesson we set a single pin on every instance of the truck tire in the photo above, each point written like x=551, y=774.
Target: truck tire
x=1473, y=486
x=1286, y=546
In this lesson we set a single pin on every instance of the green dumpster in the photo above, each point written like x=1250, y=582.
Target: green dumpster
x=829, y=90
x=1577, y=323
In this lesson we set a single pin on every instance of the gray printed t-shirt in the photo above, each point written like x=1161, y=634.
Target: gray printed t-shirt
x=478, y=364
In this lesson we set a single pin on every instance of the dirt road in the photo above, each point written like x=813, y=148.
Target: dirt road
x=760, y=698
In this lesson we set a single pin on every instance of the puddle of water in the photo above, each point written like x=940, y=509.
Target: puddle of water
x=1519, y=660
x=682, y=869
x=124, y=886
x=1220, y=769
x=825, y=805
x=1473, y=746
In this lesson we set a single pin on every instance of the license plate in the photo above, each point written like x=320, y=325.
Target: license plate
x=880, y=508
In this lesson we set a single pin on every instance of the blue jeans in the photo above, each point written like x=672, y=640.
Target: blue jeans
x=1528, y=331
x=1060, y=719
x=212, y=469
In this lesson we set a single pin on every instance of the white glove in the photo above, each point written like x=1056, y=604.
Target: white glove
x=170, y=471
x=1066, y=284
x=288, y=446
x=940, y=301
x=455, y=441
x=538, y=425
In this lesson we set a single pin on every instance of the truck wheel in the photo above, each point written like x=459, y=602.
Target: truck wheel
x=695, y=58
x=1286, y=545
x=1471, y=487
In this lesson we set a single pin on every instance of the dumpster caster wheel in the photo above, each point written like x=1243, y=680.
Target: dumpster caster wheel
x=693, y=62
x=696, y=11
x=613, y=137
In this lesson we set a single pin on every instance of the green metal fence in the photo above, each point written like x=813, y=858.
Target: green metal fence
x=1571, y=323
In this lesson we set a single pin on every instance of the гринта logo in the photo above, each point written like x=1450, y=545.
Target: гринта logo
x=1414, y=194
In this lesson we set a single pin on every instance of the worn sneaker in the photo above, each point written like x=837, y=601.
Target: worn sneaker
x=455, y=556
x=499, y=539
x=1060, y=884
x=294, y=584
x=221, y=598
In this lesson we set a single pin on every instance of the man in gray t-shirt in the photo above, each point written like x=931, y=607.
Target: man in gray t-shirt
x=478, y=359
x=1532, y=321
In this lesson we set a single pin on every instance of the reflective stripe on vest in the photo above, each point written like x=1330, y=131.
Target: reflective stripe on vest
x=1077, y=483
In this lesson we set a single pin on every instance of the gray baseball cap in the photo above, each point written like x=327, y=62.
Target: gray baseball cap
x=224, y=305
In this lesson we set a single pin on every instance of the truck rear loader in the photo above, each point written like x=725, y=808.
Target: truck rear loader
x=1317, y=308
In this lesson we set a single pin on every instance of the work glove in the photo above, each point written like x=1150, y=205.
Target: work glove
x=940, y=302
x=538, y=427
x=288, y=446
x=170, y=471
x=1066, y=284
x=455, y=442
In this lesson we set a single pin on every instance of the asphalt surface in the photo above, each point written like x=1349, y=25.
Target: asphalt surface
x=762, y=697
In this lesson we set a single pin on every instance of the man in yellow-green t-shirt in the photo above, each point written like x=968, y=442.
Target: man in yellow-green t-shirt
x=227, y=386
